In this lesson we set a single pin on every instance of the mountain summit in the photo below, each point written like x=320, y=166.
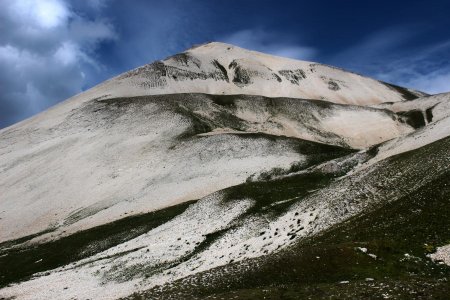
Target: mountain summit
x=218, y=68
x=221, y=172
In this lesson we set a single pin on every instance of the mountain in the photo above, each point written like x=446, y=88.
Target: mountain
x=217, y=68
x=223, y=172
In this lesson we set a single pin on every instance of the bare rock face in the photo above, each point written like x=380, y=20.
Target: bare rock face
x=221, y=170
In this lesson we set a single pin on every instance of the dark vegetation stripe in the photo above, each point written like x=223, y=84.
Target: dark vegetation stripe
x=406, y=94
x=20, y=263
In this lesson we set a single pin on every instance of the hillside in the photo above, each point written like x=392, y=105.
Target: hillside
x=223, y=172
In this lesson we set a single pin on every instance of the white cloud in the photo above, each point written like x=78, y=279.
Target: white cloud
x=46, y=51
x=67, y=54
x=263, y=41
x=389, y=56
x=432, y=80
x=433, y=83
x=43, y=13
x=427, y=69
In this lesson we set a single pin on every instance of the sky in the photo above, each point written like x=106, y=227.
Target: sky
x=51, y=50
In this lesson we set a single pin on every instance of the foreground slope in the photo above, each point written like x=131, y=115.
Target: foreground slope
x=260, y=223
x=382, y=253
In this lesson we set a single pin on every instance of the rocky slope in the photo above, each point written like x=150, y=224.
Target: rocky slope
x=223, y=69
x=198, y=175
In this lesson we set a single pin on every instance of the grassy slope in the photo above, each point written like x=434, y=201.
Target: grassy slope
x=400, y=234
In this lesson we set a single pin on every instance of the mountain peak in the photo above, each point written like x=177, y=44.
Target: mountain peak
x=220, y=68
x=220, y=49
x=212, y=44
